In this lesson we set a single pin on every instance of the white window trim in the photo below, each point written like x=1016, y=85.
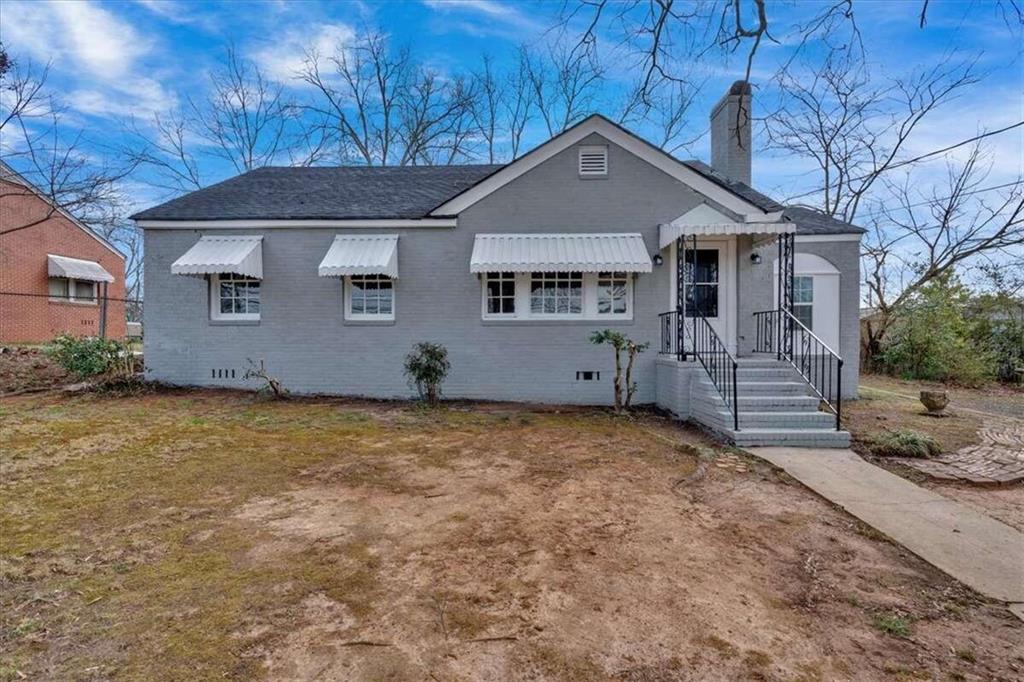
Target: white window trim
x=364, y=317
x=524, y=314
x=216, y=314
x=809, y=305
x=72, y=283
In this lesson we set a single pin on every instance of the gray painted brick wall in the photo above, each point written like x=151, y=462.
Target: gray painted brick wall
x=305, y=342
x=757, y=293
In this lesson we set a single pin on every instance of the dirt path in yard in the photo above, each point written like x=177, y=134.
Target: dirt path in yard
x=219, y=537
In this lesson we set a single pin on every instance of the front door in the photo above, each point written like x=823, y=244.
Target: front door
x=710, y=276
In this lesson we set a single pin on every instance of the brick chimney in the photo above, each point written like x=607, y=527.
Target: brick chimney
x=730, y=152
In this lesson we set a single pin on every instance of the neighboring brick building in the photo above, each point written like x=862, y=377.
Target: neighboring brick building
x=64, y=265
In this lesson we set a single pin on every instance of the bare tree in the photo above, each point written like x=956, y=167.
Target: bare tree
x=853, y=129
x=518, y=105
x=246, y=118
x=22, y=94
x=668, y=36
x=925, y=235
x=664, y=112
x=360, y=88
x=487, y=110
x=45, y=158
x=565, y=84
x=167, y=148
x=385, y=109
x=436, y=121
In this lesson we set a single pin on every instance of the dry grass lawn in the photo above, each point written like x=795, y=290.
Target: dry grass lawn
x=208, y=535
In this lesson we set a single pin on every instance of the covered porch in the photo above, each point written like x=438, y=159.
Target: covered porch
x=740, y=310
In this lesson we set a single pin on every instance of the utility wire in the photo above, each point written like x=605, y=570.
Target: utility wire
x=916, y=158
x=878, y=211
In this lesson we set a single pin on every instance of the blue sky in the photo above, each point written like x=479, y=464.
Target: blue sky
x=112, y=60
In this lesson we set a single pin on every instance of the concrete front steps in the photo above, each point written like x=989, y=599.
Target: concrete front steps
x=776, y=407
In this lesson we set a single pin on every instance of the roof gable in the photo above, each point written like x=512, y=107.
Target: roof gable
x=9, y=175
x=718, y=190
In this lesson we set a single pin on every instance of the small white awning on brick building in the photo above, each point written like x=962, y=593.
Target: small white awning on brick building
x=235, y=255
x=600, y=252
x=76, y=268
x=363, y=254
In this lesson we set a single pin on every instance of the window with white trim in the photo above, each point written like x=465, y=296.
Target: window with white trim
x=611, y=293
x=701, y=277
x=369, y=297
x=557, y=295
x=72, y=290
x=500, y=293
x=593, y=161
x=235, y=297
x=803, y=300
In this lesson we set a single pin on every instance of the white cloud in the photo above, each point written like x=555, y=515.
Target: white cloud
x=98, y=52
x=178, y=13
x=73, y=34
x=493, y=14
x=284, y=58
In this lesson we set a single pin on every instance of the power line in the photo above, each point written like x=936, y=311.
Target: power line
x=871, y=214
x=916, y=158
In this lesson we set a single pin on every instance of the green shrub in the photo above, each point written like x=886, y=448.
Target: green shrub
x=90, y=356
x=905, y=444
x=427, y=366
x=1000, y=327
x=934, y=340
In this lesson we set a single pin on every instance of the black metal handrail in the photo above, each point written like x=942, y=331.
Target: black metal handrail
x=778, y=331
x=710, y=351
x=670, y=333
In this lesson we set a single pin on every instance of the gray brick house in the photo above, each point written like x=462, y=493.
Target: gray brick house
x=330, y=275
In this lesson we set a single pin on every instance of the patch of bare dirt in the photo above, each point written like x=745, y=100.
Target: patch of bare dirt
x=548, y=554
x=24, y=369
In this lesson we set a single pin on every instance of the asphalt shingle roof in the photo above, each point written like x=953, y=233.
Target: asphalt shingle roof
x=812, y=221
x=323, y=193
x=362, y=192
x=743, y=190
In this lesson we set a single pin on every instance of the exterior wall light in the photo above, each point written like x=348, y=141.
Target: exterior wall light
x=657, y=259
x=755, y=258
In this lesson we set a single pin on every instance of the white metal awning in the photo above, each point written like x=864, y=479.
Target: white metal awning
x=668, y=233
x=599, y=252
x=363, y=254
x=76, y=268
x=236, y=255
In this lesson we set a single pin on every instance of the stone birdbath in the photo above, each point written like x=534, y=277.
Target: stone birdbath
x=935, y=402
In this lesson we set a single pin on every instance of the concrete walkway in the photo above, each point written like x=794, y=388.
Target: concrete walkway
x=977, y=550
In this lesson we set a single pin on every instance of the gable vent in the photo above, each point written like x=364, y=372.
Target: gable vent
x=593, y=161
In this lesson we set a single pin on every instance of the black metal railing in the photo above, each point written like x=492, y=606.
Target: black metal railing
x=706, y=346
x=779, y=332
x=670, y=334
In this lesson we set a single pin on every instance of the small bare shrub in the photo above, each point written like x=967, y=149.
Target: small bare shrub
x=271, y=385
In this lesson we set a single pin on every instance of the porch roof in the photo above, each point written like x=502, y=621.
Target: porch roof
x=668, y=233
